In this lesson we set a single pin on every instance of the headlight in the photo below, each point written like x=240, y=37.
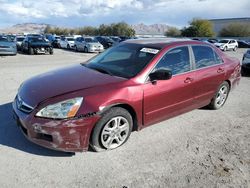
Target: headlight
x=61, y=110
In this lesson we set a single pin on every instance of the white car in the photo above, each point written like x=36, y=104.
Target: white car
x=67, y=42
x=227, y=44
x=88, y=44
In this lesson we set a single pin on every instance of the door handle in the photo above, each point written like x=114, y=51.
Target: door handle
x=220, y=70
x=188, y=80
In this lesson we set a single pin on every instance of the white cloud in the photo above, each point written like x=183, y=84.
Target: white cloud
x=176, y=12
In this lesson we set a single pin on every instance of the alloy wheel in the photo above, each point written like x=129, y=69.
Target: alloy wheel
x=221, y=96
x=115, y=132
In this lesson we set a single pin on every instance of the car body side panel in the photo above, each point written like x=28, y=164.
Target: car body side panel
x=167, y=98
x=207, y=82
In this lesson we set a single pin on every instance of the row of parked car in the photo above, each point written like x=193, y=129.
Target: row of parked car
x=31, y=44
x=36, y=43
x=85, y=43
x=227, y=44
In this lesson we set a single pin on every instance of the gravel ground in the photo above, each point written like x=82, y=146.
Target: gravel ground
x=202, y=148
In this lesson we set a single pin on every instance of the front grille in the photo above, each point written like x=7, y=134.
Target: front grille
x=21, y=105
x=46, y=137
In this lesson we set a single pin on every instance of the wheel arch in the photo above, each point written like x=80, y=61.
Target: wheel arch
x=229, y=83
x=127, y=107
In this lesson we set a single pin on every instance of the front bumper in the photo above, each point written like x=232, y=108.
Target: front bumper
x=8, y=51
x=63, y=135
x=94, y=49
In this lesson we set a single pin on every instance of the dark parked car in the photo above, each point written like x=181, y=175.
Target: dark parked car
x=243, y=44
x=212, y=41
x=105, y=41
x=19, y=41
x=35, y=44
x=56, y=42
x=245, y=68
x=128, y=87
x=7, y=47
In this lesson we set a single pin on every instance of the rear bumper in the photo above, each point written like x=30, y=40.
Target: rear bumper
x=63, y=135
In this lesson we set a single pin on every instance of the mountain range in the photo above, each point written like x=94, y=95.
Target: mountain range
x=141, y=28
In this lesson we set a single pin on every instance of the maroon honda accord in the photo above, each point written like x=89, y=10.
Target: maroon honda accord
x=128, y=87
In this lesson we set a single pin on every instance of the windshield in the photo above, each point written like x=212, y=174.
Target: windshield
x=125, y=60
x=223, y=41
x=90, y=40
x=70, y=39
x=36, y=39
x=2, y=39
x=20, y=39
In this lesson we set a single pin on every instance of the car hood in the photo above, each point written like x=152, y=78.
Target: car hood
x=62, y=81
x=219, y=44
x=94, y=44
x=40, y=44
x=7, y=44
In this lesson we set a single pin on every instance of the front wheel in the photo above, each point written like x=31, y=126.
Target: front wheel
x=235, y=48
x=220, y=97
x=225, y=48
x=86, y=50
x=31, y=51
x=112, y=130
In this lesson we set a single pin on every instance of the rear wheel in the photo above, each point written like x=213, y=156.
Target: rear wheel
x=112, y=130
x=220, y=97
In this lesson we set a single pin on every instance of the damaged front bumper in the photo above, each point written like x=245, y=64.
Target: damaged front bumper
x=63, y=135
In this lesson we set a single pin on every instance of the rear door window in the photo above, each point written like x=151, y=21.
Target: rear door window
x=205, y=56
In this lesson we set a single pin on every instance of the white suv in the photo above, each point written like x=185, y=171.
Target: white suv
x=227, y=44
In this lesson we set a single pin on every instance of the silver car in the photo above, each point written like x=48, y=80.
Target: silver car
x=88, y=44
x=7, y=47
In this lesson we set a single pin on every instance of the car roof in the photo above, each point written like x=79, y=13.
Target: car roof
x=160, y=42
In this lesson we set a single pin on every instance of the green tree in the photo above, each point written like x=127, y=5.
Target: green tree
x=47, y=29
x=198, y=28
x=235, y=30
x=173, y=32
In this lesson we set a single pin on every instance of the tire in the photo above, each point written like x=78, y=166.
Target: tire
x=68, y=47
x=51, y=51
x=76, y=49
x=107, y=135
x=86, y=50
x=225, y=49
x=220, y=96
x=235, y=48
x=31, y=51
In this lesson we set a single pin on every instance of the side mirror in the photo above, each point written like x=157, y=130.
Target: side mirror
x=160, y=74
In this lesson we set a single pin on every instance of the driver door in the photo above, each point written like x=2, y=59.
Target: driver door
x=164, y=99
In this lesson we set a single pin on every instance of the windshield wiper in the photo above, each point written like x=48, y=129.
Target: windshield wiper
x=99, y=69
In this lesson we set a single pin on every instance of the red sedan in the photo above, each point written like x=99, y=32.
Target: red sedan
x=128, y=87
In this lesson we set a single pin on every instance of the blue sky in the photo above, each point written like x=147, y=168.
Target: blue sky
x=76, y=13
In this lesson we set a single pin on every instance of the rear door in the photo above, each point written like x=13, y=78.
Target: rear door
x=209, y=74
x=167, y=98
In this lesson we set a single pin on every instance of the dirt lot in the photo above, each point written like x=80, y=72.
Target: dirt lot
x=202, y=148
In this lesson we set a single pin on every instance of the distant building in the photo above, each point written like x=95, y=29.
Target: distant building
x=219, y=24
